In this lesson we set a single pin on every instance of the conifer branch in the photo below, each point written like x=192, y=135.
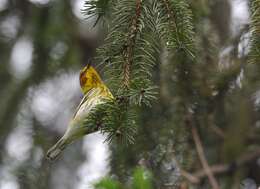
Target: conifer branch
x=176, y=20
x=171, y=16
x=255, y=29
x=128, y=56
x=96, y=8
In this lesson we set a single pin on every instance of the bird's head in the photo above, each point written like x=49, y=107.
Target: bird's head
x=89, y=79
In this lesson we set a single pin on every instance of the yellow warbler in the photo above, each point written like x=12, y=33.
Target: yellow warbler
x=95, y=93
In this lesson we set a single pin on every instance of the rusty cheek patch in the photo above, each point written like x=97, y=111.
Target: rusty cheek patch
x=82, y=79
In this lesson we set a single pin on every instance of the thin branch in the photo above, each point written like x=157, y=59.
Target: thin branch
x=202, y=158
x=224, y=168
x=190, y=177
x=186, y=174
x=218, y=169
x=218, y=131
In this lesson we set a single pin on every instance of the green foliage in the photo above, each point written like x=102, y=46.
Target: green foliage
x=107, y=183
x=175, y=25
x=96, y=8
x=254, y=54
x=141, y=180
x=115, y=119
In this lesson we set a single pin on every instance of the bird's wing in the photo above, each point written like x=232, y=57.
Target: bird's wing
x=84, y=99
x=88, y=101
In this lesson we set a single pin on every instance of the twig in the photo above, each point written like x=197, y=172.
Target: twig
x=187, y=175
x=218, y=131
x=190, y=177
x=224, y=168
x=202, y=158
x=196, y=177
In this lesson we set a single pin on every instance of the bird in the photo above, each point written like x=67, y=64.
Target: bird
x=95, y=93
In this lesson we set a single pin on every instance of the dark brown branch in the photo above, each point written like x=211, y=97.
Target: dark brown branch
x=128, y=53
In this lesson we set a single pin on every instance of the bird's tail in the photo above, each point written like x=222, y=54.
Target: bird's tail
x=56, y=150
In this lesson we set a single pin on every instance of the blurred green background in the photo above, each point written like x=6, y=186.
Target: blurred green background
x=44, y=44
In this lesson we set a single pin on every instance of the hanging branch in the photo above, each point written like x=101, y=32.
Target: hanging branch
x=176, y=20
x=176, y=32
x=254, y=54
x=127, y=56
x=171, y=16
x=255, y=29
